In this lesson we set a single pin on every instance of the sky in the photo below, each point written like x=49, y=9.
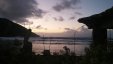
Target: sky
x=51, y=16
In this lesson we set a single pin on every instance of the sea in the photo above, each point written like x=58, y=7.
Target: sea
x=56, y=45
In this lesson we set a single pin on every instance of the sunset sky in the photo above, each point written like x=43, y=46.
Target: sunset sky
x=51, y=16
x=57, y=20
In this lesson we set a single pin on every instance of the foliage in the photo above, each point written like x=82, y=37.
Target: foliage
x=98, y=55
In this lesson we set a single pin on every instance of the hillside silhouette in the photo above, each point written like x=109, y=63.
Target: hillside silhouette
x=11, y=29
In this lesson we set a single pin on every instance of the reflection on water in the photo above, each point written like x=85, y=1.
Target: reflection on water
x=57, y=46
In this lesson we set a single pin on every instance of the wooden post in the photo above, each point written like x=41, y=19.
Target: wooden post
x=27, y=35
x=100, y=37
x=27, y=47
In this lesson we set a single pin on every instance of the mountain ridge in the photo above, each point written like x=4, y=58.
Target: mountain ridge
x=11, y=29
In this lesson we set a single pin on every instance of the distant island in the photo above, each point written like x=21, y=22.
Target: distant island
x=11, y=29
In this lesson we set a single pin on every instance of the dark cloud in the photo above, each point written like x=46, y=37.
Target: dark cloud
x=61, y=19
x=55, y=18
x=67, y=28
x=58, y=19
x=65, y=4
x=78, y=13
x=39, y=27
x=19, y=10
x=72, y=18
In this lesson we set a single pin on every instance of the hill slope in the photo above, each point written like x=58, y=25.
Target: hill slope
x=11, y=29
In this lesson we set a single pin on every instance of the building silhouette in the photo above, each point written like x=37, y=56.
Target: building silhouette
x=99, y=23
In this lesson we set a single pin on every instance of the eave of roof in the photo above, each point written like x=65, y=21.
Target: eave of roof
x=102, y=20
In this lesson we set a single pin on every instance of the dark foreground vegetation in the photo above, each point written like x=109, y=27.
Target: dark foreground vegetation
x=98, y=55
x=11, y=52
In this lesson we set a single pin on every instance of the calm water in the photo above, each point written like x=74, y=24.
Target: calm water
x=57, y=46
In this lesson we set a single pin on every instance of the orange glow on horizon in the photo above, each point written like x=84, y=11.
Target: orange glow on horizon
x=48, y=31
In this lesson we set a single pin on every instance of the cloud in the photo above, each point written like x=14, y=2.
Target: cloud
x=70, y=33
x=84, y=32
x=45, y=28
x=72, y=18
x=65, y=4
x=19, y=10
x=78, y=13
x=55, y=18
x=67, y=28
x=58, y=19
x=40, y=27
x=61, y=19
x=28, y=23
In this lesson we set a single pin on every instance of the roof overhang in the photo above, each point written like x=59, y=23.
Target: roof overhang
x=102, y=20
